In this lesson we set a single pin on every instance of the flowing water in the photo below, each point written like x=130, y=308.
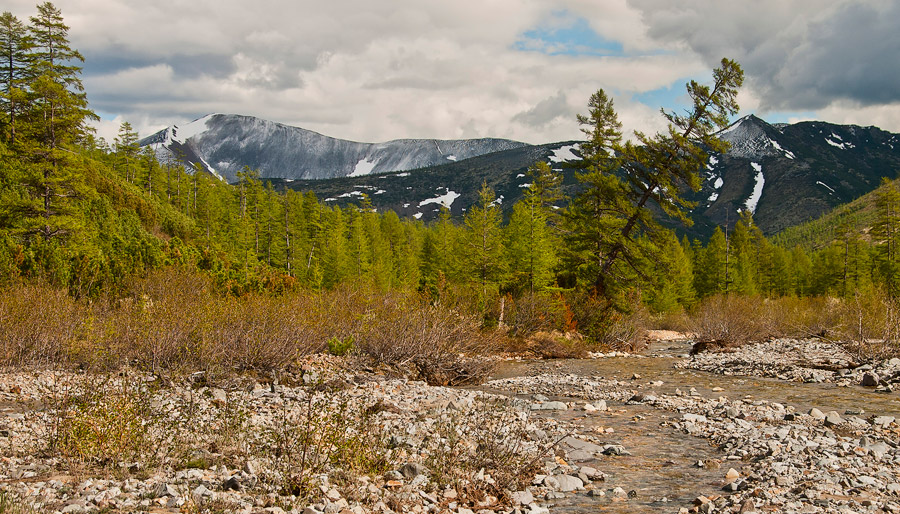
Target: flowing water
x=662, y=470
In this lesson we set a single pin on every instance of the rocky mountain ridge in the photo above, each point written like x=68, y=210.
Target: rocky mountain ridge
x=223, y=144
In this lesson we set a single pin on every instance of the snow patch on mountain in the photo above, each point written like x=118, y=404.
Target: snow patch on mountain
x=825, y=186
x=719, y=182
x=753, y=201
x=787, y=153
x=713, y=197
x=363, y=167
x=563, y=153
x=446, y=199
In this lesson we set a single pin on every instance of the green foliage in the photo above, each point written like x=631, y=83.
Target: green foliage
x=339, y=347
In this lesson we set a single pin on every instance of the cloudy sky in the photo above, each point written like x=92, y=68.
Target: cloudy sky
x=521, y=69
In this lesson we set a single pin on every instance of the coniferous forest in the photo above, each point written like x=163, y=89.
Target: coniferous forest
x=101, y=222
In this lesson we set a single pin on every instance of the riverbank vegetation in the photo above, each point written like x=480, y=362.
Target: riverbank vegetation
x=108, y=256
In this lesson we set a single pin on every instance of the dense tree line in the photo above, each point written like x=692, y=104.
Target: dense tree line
x=85, y=215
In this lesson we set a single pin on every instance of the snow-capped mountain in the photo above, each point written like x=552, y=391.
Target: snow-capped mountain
x=224, y=144
x=790, y=173
x=783, y=174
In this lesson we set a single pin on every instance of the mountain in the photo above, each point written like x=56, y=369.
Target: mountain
x=789, y=174
x=784, y=174
x=420, y=194
x=224, y=144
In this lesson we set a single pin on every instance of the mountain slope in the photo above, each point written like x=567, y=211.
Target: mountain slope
x=224, y=144
x=789, y=174
x=785, y=174
x=420, y=194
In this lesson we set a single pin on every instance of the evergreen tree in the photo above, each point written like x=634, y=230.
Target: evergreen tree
x=531, y=255
x=127, y=150
x=886, y=235
x=15, y=46
x=656, y=170
x=484, y=242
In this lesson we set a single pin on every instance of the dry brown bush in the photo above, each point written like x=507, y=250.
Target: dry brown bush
x=791, y=316
x=37, y=322
x=870, y=325
x=173, y=320
x=533, y=313
x=731, y=320
x=440, y=344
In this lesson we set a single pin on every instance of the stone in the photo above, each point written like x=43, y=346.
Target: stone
x=521, y=498
x=615, y=449
x=412, y=470
x=816, y=414
x=883, y=421
x=619, y=492
x=231, y=484
x=694, y=418
x=592, y=473
x=568, y=483
x=869, y=379
x=165, y=489
x=600, y=405
x=732, y=474
x=549, y=406
x=832, y=419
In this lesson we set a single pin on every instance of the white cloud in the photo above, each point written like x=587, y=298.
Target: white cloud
x=373, y=71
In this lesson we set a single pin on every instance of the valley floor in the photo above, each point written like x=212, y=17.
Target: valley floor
x=778, y=426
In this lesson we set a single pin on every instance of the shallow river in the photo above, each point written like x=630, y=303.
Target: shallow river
x=662, y=469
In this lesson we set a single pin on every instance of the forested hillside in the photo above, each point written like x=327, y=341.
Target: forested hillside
x=89, y=217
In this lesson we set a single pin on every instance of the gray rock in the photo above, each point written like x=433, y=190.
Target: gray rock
x=577, y=444
x=412, y=470
x=551, y=482
x=615, y=449
x=393, y=475
x=522, y=497
x=568, y=483
x=549, y=406
x=694, y=418
x=832, y=419
x=592, y=473
x=869, y=379
x=816, y=413
x=164, y=489
x=883, y=421
x=600, y=405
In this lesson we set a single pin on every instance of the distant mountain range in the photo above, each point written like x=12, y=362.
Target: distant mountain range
x=785, y=174
x=223, y=144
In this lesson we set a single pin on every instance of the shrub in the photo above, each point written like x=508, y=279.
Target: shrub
x=730, y=320
x=870, y=325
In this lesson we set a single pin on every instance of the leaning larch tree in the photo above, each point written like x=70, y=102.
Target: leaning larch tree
x=610, y=228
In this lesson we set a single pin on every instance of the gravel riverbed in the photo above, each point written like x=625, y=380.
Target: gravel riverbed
x=331, y=440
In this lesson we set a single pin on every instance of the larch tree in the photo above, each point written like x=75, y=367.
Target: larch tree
x=654, y=170
x=15, y=46
x=484, y=242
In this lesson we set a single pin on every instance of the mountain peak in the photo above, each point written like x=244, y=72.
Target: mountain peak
x=753, y=138
x=223, y=144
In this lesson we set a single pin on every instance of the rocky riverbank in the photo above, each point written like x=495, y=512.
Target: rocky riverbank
x=806, y=360
x=328, y=439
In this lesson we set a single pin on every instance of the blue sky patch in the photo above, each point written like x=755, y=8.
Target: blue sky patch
x=568, y=35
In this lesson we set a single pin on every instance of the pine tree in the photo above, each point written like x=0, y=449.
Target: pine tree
x=656, y=171
x=886, y=235
x=127, y=150
x=530, y=251
x=48, y=132
x=484, y=242
x=15, y=46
